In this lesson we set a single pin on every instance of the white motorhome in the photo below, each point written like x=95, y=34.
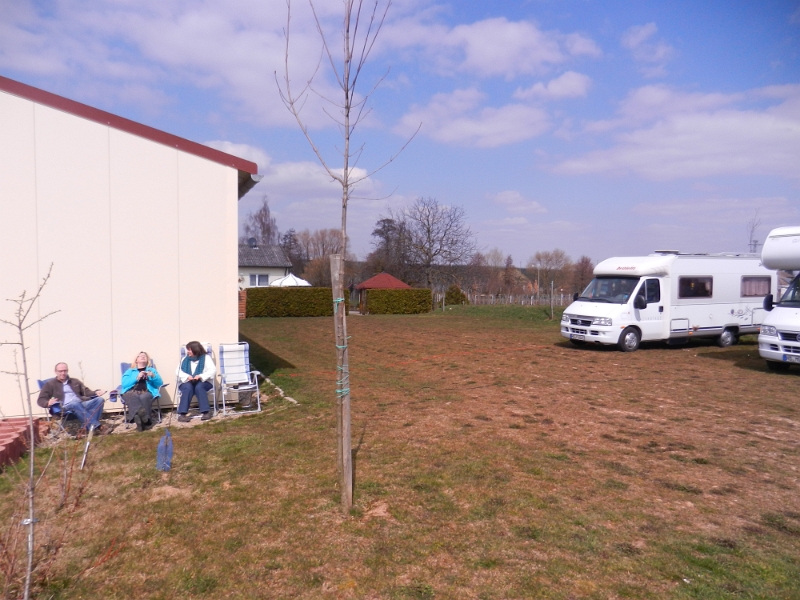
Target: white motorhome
x=779, y=340
x=672, y=297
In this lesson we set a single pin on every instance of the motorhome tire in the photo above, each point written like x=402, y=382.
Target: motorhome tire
x=629, y=339
x=728, y=338
x=777, y=367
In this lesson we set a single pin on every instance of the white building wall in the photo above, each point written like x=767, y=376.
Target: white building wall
x=142, y=238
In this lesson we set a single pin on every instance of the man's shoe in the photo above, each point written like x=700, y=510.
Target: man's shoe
x=183, y=418
x=206, y=416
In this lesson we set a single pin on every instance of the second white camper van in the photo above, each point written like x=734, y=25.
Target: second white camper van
x=670, y=296
x=779, y=341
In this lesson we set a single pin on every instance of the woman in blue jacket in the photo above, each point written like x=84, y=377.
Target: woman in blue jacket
x=141, y=385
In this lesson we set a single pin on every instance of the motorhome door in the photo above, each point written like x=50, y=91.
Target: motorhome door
x=651, y=319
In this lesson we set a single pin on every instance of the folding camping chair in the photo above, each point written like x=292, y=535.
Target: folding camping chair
x=236, y=376
x=57, y=413
x=117, y=393
x=212, y=393
x=62, y=415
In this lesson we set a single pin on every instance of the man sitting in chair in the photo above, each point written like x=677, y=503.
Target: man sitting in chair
x=71, y=395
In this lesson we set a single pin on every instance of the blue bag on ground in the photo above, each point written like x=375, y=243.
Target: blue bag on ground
x=164, y=455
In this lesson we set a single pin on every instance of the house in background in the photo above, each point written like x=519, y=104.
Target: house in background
x=261, y=265
x=140, y=227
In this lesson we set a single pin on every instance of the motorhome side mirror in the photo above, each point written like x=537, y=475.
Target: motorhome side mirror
x=575, y=297
x=768, y=302
x=639, y=302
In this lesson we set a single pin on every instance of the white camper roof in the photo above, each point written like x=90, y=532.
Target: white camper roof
x=636, y=266
x=782, y=249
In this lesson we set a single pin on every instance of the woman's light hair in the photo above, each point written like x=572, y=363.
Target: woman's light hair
x=149, y=360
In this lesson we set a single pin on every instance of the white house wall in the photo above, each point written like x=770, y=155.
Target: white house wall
x=273, y=272
x=142, y=238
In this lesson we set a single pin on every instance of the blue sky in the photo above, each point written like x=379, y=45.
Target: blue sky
x=602, y=128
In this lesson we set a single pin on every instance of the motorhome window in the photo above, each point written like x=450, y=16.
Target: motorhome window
x=755, y=287
x=652, y=290
x=616, y=290
x=695, y=287
x=792, y=295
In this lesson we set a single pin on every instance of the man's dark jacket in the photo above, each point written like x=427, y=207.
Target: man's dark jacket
x=53, y=388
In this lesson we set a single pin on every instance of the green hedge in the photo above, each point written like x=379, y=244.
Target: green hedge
x=292, y=302
x=399, y=302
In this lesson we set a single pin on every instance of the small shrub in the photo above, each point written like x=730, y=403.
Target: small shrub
x=454, y=296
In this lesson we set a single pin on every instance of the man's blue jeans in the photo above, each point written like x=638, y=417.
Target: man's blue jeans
x=88, y=412
x=194, y=388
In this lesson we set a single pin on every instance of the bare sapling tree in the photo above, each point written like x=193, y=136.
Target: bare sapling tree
x=22, y=313
x=752, y=225
x=361, y=24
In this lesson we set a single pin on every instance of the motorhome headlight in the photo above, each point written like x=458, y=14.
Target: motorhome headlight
x=769, y=330
x=565, y=318
x=601, y=321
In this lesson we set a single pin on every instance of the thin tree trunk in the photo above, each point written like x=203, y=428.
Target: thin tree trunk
x=344, y=446
x=31, y=478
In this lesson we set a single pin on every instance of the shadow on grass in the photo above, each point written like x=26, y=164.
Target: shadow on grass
x=264, y=360
x=745, y=356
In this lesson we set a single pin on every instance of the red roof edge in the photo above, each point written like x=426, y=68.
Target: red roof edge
x=105, y=118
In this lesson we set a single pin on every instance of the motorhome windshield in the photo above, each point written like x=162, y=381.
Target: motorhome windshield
x=792, y=295
x=615, y=290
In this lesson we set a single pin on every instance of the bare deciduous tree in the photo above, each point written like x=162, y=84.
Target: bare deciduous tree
x=582, y=273
x=261, y=225
x=552, y=267
x=360, y=28
x=440, y=236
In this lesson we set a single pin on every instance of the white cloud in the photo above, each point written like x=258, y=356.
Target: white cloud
x=671, y=135
x=515, y=202
x=251, y=153
x=567, y=85
x=303, y=196
x=488, y=48
x=456, y=118
x=637, y=35
x=653, y=53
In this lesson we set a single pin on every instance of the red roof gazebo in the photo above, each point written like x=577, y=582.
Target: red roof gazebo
x=383, y=281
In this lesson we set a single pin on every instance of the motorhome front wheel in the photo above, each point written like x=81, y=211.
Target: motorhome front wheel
x=629, y=339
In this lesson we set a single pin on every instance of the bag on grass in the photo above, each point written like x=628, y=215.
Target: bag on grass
x=164, y=454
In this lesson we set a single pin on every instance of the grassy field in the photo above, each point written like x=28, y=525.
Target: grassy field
x=493, y=460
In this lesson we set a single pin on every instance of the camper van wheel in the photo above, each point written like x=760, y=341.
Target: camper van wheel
x=728, y=338
x=629, y=340
x=777, y=367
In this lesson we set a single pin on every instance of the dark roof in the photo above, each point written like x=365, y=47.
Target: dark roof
x=382, y=281
x=246, y=168
x=262, y=256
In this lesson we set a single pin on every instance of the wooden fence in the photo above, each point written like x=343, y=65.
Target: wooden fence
x=560, y=299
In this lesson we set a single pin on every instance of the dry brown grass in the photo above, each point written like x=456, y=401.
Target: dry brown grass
x=493, y=460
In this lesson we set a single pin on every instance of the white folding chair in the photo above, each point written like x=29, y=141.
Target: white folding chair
x=237, y=378
x=212, y=393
